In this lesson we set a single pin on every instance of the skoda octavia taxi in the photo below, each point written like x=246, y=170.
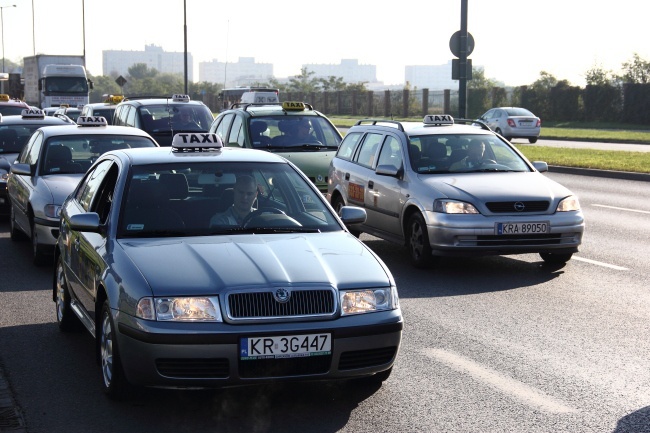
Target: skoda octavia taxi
x=179, y=294
x=443, y=188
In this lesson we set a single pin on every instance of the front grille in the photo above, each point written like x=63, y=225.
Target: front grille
x=262, y=304
x=519, y=240
x=366, y=358
x=285, y=367
x=509, y=206
x=194, y=368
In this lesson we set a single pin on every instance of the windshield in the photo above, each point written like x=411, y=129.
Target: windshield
x=175, y=117
x=14, y=137
x=462, y=153
x=200, y=199
x=70, y=154
x=54, y=85
x=282, y=132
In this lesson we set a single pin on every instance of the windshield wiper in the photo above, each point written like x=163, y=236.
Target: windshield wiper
x=249, y=230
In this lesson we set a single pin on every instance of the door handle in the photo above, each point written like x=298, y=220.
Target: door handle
x=347, y=176
x=370, y=184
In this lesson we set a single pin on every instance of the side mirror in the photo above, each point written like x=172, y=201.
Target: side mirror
x=540, y=166
x=85, y=222
x=353, y=215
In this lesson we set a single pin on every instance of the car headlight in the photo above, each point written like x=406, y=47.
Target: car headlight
x=185, y=309
x=368, y=300
x=52, y=211
x=567, y=204
x=453, y=206
x=4, y=176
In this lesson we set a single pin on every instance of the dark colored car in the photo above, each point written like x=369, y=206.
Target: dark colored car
x=163, y=117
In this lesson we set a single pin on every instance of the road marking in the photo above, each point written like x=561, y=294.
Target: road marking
x=506, y=385
x=594, y=262
x=622, y=208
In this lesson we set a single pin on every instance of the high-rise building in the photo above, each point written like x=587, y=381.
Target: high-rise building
x=432, y=77
x=245, y=72
x=349, y=69
x=119, y=62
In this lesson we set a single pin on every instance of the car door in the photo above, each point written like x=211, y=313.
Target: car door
x=95, y=194
x=383, y=198
x=358, y=173
x=20, y=187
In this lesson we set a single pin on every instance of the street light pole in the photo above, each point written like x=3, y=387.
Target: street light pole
x=185, y=34
x=2, y=22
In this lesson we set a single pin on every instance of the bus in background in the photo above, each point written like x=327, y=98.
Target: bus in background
x=233, y=95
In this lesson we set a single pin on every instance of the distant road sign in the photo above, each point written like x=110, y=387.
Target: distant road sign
x=121, y=81
x=454, y=44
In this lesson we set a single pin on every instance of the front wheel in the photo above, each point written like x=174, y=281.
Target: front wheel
x=65, y=317
x=418, y=242
x=114, y=381
x=556, y=258
x=38, y=256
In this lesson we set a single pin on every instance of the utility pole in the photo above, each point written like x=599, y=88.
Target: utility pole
x=462, y=64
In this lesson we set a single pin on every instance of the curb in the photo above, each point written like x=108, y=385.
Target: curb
x=11, y=419
x=611, y=174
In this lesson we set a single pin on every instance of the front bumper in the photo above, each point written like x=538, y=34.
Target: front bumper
x=161, y=354
x=467, y=235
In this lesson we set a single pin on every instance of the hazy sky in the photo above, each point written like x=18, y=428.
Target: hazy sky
x=514, y=39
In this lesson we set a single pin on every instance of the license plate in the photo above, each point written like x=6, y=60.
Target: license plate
x=286, y=346
x=522, y=228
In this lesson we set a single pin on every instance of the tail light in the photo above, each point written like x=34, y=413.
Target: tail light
x=512, y=123
x=539, y=123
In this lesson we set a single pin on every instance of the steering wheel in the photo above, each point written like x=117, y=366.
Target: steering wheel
x=488, y=161
x=260, y=211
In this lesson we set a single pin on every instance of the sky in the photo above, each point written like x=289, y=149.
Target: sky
x=515, y=40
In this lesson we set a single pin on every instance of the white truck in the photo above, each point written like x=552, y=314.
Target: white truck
x=52, y=81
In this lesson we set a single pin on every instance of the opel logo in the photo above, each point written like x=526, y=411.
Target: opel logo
x=519, y=206
x=282, y=295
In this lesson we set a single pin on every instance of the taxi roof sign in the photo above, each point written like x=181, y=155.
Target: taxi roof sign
x=438, y=119
x=180, y=98
x=4, y=97
x=293, y=106
x=32, y=114
x=113, y=99
x=86, y=121
x=196, y=141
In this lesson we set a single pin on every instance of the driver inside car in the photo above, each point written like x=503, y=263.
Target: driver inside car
x=245, y=194
x=474, y=158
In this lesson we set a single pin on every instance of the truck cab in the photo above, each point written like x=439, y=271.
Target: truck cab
x=64, y=84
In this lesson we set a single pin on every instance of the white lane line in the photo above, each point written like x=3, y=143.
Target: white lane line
x=622, y=208
x=517, y=390
x=595, y=262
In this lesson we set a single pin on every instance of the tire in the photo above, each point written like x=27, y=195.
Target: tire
x=337, y=204
x=556, y=258
x=417, y=242
x=65, y=317
x=498, y=131
x=15, y=233
x=114, y=381
x=532, y=140
x=38, y=256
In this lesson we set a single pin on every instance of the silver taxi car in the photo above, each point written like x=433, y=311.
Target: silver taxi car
x=179, y=294
x=49, y=167
x=443, y=188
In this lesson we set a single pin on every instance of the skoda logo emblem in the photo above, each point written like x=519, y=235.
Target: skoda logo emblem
x=282, y=295
x=320, y=178
x=519, y=206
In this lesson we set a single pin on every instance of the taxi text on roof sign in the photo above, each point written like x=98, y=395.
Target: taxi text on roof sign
x=180, y=98
x=29, y=113
x=293, y=105
x=196, y=140
x=92, y=121
x=438, y=119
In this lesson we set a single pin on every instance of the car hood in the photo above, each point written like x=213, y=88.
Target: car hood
x=59, y=185
x=483, y=187
x=208, y=265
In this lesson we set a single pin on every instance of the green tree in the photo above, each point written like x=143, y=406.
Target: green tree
x=103, y=85
x=479, y=80
x=141, y=70
x=332, y=83
x=636, y=71
x=597, y=76
x=304, y=83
